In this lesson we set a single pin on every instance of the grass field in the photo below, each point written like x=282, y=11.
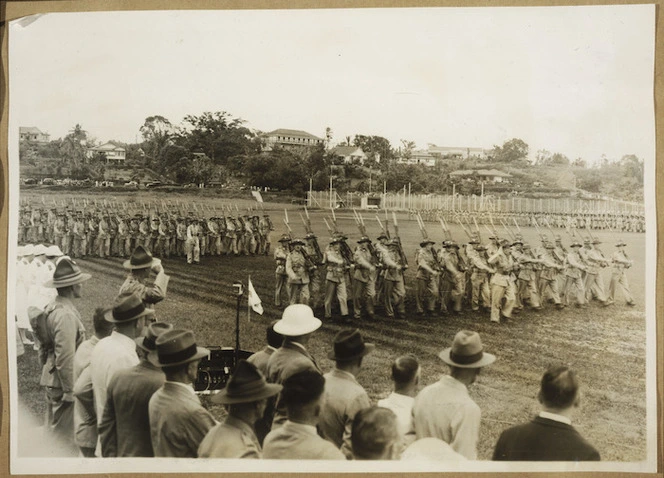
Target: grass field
x=605, y=345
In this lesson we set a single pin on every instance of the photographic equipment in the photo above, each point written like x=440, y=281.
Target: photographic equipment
x=215, y=370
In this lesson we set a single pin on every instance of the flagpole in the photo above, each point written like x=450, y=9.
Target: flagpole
x=248, y=304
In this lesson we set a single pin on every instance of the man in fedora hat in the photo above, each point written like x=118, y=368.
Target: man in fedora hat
x=303, y=396
x=124, y=428
x=178, y=421
x=296, y=326
x=141, y=264
x=118, y=350
x=344, y=396
x=60, y=332
x=245, y=397
x=550, y=436
x=85, y=416
x=444, y=409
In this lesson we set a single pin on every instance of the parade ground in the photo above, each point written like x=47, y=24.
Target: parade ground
x=607, y=346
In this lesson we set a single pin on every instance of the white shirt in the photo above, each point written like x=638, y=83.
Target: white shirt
x=555, y=417
x=112, y=353
x=402, y=406
x=445, y=410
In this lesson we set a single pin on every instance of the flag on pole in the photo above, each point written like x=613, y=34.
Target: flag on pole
x=254, y=300
x=257, y=195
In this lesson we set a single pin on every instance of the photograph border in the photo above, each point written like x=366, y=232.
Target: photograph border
x=653, y=181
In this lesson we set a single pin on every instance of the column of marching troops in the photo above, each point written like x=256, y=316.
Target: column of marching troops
x=101, y=232
x=501, y=276
x=609, y=221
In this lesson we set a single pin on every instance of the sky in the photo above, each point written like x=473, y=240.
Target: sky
x=572, y=80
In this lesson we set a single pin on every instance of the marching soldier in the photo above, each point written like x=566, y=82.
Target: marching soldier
x=153, y=237
x=527, y=288
x=502, y=283
x=315, y=277
x=104, y=237
x=574, y=276
x=93, y=233
x=298, y=267
x=551, y=269
x=427, y=275
x=231, y=236
x=203, y=236
x=164, y=238
x=394, y=289
x=364, y=279
x=181, y=236
x=281, y=277
x=123, y=238
x=479, y=279
x=335, y=280
x=454, y=275
x=265, y=227
x=79, y=237
x=594, y=283
x=620, y=263
x=214, y=240
x=192, y=244
x=144, y=233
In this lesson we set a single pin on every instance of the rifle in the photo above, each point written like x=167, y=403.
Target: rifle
x=508, y=230
x=384, y=228
x=402, y=255
x=470, y=236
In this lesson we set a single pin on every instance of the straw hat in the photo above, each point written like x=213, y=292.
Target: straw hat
x=246, y=385
x=466, y=351
x=176, y=347
x=66, y=274
x=128, y=307
x=53, y=251
x=296, y=320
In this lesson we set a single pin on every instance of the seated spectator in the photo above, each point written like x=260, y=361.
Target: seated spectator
x=375, y=435
x=344, y=397
x=245, y=396
x=297, y=438
x=406, y=378
x=549, y=436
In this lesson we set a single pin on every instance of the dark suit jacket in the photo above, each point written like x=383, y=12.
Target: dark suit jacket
x=125, y=425
x=544, y=440
x=288, y=360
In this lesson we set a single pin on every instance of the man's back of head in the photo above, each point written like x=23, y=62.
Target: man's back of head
x=103, y=327
x=559, y=388
x=375, y=434
x=405, y=374
x=302, y=394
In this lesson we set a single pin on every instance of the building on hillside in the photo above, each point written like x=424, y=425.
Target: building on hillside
x=290, y=139
x=349, y=154
x=463, y=152
x=420, y=156
x=115, y=154
x=492, y=175
x=31, y=133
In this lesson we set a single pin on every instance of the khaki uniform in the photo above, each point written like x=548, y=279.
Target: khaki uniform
x=335, y=282
x=364, y=281
x=298, y=278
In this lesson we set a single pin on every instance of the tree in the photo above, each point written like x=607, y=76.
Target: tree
x=542, y=157
x=157, y=132
x=633, y=167
x=513, y=150
x=559, y=159
x=219, y=136
x=377, y=148
x=579, y=163
x=74, y=146
x=407, y=148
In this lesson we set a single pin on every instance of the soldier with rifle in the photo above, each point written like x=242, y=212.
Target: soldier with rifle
x=298, y=268
x=281, y=277
x=335, y=279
